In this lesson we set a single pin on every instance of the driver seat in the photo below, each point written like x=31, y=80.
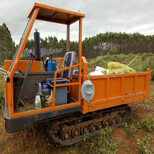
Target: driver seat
x=69, y=60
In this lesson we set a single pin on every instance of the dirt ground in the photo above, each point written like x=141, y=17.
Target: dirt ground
x=126, y=138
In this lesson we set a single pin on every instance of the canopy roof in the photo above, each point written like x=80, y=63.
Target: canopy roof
x=53, y=14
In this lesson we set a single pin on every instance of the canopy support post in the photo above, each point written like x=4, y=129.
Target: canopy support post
x=68, y=38
x=80, y=56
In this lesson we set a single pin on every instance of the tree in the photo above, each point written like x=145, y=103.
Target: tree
x=100, y=44
x=7, y=46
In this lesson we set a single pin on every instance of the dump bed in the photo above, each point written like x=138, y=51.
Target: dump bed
x=117, y=89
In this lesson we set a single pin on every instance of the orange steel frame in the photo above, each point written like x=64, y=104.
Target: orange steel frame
x=118, y=89
x=114, y=90
x=110, y=90
x=9, y=86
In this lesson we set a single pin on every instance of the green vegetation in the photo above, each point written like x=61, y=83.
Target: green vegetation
x=101, y=44
x=131, y=128
x=113, y=51
x=142, y=147
x=103, y=143
x=148, y=124
x=141, y=63
x=7, y=46
x=1, y=99
x=2, y=129
x=149, y=136
x=86, y=136
x=1, y=90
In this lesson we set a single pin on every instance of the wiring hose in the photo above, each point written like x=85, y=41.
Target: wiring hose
x=6, y=73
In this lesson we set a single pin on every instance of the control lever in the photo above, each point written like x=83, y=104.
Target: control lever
x=6, y=73
x=43, y=63
x=51, y=57
x=30, y=62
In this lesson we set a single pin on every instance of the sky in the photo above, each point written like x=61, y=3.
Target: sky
x=100, y=16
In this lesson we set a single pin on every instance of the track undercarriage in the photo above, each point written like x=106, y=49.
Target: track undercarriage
x=72, y=128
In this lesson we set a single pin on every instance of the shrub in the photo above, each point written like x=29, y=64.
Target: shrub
x=1, y=99
x=145, y=65
x=99, y=60
x=140, y=64
x=131, y=128
x=112, y=51
x=142, y=148
x=105, y=143
x=131, y=54
x=1, y=90
x=139, y=54
x=92, y=63
x=150, y=54
x=148, y=124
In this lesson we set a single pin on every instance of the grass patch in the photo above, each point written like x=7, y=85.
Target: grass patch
x=140, y=64
x=1, y=90
x=142, y=146
x=149, y=136
x=1, y=99
x=103, y=143
x=131, y=128
x=148, y=124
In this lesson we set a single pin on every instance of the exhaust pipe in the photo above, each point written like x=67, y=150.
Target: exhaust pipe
x=37, y=45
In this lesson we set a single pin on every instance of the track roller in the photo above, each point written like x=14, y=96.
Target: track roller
x=72, y=128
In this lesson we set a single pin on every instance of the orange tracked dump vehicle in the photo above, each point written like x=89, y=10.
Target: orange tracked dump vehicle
x=68, y=104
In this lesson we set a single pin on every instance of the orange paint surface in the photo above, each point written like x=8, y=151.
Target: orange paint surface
x=110, y=90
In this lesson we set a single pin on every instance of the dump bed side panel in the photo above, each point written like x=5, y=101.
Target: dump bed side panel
x=113, y=90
